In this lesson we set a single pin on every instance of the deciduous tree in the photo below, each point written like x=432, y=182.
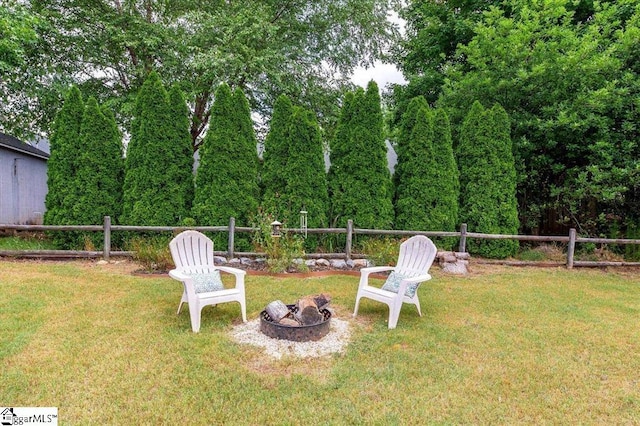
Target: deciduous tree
x=264, y=47
x=566, y=76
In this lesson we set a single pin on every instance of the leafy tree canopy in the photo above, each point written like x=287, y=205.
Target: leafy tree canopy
x=263, y=47
x=20, y=82
x=567, y=78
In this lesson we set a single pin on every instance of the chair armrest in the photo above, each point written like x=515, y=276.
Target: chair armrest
x=365, y=272
x=374, y=269
x=231, y=270
x=402, y=288
x=238, y=273
x=418, y=279
x=178, y=275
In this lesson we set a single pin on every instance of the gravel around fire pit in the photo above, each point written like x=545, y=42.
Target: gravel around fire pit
x=335, y=341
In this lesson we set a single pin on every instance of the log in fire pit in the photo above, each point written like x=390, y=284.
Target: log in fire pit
x=306, y=320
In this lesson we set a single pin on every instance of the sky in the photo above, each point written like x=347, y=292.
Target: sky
x=380, y=73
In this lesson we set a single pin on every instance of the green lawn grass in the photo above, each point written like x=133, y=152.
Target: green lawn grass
x=29, y=242
x=501, y=346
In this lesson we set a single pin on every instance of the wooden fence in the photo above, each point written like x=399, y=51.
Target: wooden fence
x=570, y=240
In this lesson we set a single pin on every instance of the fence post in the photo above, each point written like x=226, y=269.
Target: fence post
x=347, y=248
x=107, y=238
x=571, y=248
x=463, y=238
x=232, y=230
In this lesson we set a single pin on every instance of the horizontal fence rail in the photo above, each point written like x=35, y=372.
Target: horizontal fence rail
x=571, y=240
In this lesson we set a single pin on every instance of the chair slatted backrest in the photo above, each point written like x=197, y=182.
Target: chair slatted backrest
x=192, y=252
x=416, y=255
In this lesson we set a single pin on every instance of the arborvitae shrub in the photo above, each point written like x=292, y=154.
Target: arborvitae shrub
x=158, y=184
x=182, y=171
x=427, y=186
x=446, y=184
x=62, y=168
x=359, y=179
x=155, y=191
x=276, y=155
x=100, y=171
x=403, y=135
x=487, y=181
x=416, y=199
x=338, y=171
x=507, y=175
x=305, y=176
x=227, y=177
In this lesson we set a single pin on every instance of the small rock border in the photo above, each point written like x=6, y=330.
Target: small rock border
x=260, y=264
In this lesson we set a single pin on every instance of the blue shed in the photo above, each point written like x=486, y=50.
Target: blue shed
x=23, y=182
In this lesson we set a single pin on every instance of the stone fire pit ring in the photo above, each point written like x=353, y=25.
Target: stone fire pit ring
x=300, y=333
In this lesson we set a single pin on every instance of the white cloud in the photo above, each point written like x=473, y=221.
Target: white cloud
x=380, y=73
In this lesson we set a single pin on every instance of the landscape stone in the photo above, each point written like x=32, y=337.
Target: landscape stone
x=457, y=268
x=323, y=262
x=338, y=264
x=363, y=263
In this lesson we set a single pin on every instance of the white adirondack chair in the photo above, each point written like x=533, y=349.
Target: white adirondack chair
x=415, y=259
x=192, y=254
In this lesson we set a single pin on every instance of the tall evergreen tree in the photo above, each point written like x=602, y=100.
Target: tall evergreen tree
x=508, y=204
x=155, y=191
x=61, y=167
x=416, y=200
x=427, y=190
x=337, y=178
x=485, y=164
x=276, y=153
x=100, y=171
x=182, y=173
x=304, y=172
x=403, y=139
x=360, y=182
x=408, y=121
x=446, y=184
x=226, y=180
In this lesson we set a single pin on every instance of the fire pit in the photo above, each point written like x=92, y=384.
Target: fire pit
x=307, y=320
x=296, y=333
